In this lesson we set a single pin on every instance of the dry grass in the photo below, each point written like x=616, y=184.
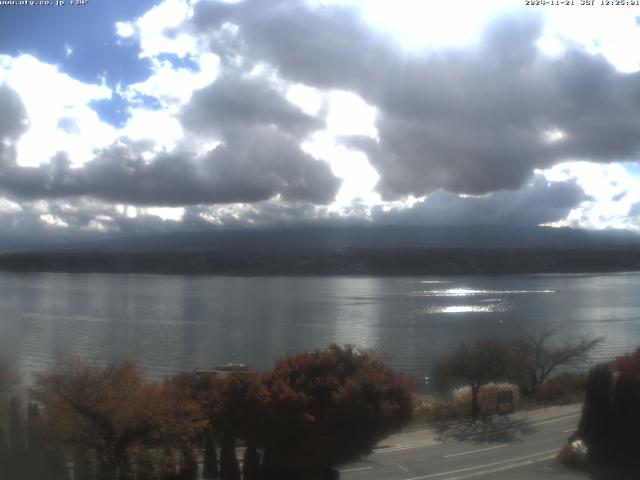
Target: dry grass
x=561, y=389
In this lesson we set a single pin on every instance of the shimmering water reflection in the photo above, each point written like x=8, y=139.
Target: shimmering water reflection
x=174, y=323
x=468, y=292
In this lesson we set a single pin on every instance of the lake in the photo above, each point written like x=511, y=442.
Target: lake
x=174, y=323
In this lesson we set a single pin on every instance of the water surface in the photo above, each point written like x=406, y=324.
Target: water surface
x=173, y=323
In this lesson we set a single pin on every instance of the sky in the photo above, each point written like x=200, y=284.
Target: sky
x=120, y=117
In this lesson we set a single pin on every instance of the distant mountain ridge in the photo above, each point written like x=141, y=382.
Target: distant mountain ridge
x=480, y=236
x=332, y=237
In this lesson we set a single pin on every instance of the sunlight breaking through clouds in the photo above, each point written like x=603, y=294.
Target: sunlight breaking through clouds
x=394, y=109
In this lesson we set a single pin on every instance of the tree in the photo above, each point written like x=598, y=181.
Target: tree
x=168, y=466
x=210, y=466
x=229, y=467
x=104, y=409
x=473, y=366
x=611, y=419
x=4, y=456
x=82, y=468
x=629, y=366
x=538, y=356
x=189, y=464
x=328, y=407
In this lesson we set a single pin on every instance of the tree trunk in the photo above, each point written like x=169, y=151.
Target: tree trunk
x=189, y=466
x=229, y=468
x=168, y=466
x=475, y=407
x=210, y=467
x=251, y=463
x=82, y=469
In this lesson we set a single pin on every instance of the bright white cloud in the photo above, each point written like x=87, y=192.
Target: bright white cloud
x=358, y=176
x=308, y=99
x=158, y=126
x=7, y=206
x=50, y=96
x=610, y=30
x=125, y=29
x=153, y=25
x=432, y=23
x=166, y=213
x=350, y=115
x=612, y=188
x=172, y=86
x=607, y=30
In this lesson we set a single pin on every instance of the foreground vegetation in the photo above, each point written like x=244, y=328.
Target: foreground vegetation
x=474, y=376
x=312, y=411
x=606, y=442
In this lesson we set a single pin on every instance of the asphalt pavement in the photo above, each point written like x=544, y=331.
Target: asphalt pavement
x=520, y=446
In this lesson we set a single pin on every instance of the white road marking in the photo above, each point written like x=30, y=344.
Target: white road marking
x=556, y=419
x=483, y=466
x=355, y=469
x=469, y=452
x=569, y=430
x=403, y=468
x=428, y=443
x=502, y=469
x=407, y=446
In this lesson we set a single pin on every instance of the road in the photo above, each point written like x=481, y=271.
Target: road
x=521, y=446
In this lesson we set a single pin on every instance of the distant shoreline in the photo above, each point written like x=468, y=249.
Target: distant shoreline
x=359, y=261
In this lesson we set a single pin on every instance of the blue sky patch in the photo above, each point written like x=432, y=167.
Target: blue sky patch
x=89, y=30
x=114, y=110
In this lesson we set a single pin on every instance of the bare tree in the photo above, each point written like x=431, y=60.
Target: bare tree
x=474, y=366
x=538, y=356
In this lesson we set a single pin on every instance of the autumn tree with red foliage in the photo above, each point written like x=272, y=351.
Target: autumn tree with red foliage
x=106, y=410
x=629, y=365
x=329, y=407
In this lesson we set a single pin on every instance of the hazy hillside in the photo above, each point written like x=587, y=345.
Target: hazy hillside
x=357, y=236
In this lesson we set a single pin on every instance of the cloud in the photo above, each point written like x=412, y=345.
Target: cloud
x=470, y=120
x=125, y=29
x=537, y=203
x=263, y=112
x=253, y=166
x=634, y=210
x=13, y=121
x=49, y=95
x=235, y=102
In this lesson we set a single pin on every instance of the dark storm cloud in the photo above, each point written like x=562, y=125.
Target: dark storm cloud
x=235, y=102
x=13, y=123
x=468, y=120
x=329, y=47
x=254, y=166
x=13, y=115
x=536, y=203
